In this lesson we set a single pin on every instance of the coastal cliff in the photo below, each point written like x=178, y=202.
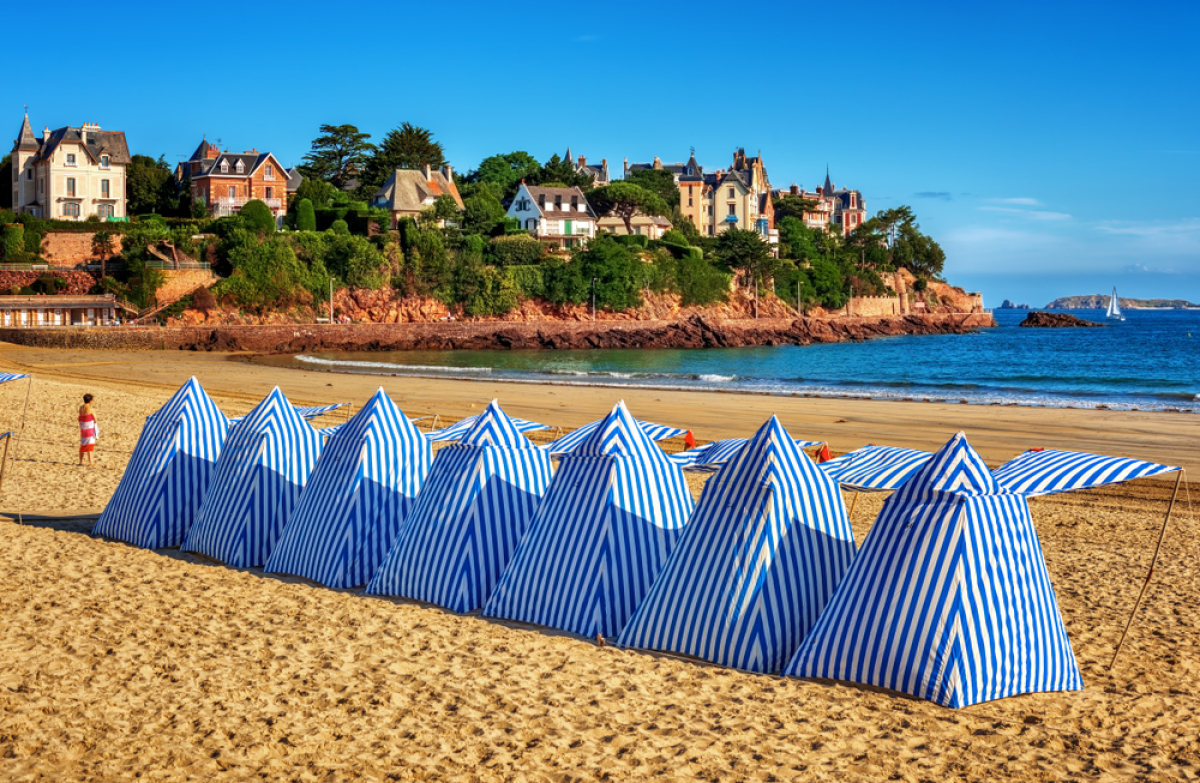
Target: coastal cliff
x=694, y=332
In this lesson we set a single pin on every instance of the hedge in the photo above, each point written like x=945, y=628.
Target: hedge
x=516, y=250
x=632, y=240
x=528, y=279
x=13, y=240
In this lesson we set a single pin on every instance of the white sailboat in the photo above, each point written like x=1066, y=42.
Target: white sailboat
x=1114, y=308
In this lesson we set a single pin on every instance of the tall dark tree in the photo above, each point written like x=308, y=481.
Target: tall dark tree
x=746, y=252
x=338, y=155
x=560, y=172
x=149, y=185
x=5, y=179
x=790, y=205
x=624, y=200
x=659, y=181
x=505, y=172
x=406, y=147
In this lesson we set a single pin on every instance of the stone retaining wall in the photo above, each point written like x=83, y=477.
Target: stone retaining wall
x=70, y=248
x=696, y=332
x=78, y=282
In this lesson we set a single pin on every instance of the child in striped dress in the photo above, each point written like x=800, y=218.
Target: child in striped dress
x=87, y=429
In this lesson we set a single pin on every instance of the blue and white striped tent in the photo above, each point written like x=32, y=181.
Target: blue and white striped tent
x=574, y=439
x=354, y=505
x=949, y=598
x=5, y=377
x=1049, y=472
x=875, y=468
x=760, y=557
x=469, y=518
x=607, y=525
x=265, y=463
x=169, y=472
x=459, y=429
x=306, y=412
x=712, y=456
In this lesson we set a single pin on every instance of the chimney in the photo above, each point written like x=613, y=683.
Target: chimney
x=448, y=173
x=657, y=162
x=212, y=152
x=46, y=133
x=250, y=152
x=83, y=132
x=795, y=189
x=604, y=162
x=428, y=174
x=582, y=161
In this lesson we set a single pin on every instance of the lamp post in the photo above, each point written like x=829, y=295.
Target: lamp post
x=593, y=300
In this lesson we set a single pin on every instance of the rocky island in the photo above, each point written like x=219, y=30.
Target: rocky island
x=1038, y=319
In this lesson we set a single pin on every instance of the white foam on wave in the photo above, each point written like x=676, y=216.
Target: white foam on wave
x=707, y=378
x=388, y=365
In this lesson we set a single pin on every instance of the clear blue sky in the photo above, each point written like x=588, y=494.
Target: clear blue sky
x=1052, y=148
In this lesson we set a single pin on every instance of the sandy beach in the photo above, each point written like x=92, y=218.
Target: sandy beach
x=118, y=661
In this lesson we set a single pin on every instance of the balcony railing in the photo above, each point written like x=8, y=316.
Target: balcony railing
x=240, y=201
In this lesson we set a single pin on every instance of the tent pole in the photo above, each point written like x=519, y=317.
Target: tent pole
x=4, y=459
x=1153, y=561
x=853, y=503
x=20, y=434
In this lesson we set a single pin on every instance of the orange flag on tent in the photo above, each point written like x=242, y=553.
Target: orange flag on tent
x=823, y=454
x=689, y=440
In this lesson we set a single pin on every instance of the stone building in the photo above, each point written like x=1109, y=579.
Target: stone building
x=225, y=182
x=33, y=311
x=70, y=173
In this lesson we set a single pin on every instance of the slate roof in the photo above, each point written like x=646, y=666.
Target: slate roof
x=111, y=143
x=26, y=141
x=567, y=213
x=295, y=179
x=407, y=190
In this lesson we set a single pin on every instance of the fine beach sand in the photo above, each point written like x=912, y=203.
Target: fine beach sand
x=116, y=661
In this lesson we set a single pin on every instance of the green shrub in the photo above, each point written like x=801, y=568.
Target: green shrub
x=516, y=250
x=306, y=216
x=527, y=279
x=13, y=241
x=258, y=216
x=484, y=290
x=49, y=284
x=633, y=240
x=153, y=217
x=266, y=274
x=675, y=237
x=340, y=227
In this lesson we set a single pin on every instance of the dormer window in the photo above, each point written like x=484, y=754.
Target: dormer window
x=542, y=200
x=70, y=158
x=103, y=161
x=558, y=203
x=574, y=203
x=224, y=167
x=240, y=168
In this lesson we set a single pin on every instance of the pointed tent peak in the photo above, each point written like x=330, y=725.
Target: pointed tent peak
x=618, y=434
x=773, y=438
x=956, y=467
x=493, y=427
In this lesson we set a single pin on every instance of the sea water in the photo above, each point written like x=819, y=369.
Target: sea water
x=1150, y=361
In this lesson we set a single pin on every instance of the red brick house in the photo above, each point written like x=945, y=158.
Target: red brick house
x=225, y=181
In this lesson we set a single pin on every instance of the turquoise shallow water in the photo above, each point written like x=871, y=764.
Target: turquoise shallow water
x=1151, y=361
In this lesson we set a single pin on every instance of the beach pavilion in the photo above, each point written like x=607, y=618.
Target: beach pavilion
x=469, y=517
x=607, y=525
x=263, y=467
x=760, y=557
x=356, y=502
x=169, y=472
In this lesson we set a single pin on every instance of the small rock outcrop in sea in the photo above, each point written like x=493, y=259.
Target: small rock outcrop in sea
x=1010, y=305
x=1054, y=320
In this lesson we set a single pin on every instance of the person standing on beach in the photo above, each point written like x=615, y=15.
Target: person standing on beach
x=87, y=429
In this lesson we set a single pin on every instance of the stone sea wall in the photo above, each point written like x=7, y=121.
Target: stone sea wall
x=695, y=332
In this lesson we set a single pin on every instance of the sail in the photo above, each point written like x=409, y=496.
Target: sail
x=1114, y=305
